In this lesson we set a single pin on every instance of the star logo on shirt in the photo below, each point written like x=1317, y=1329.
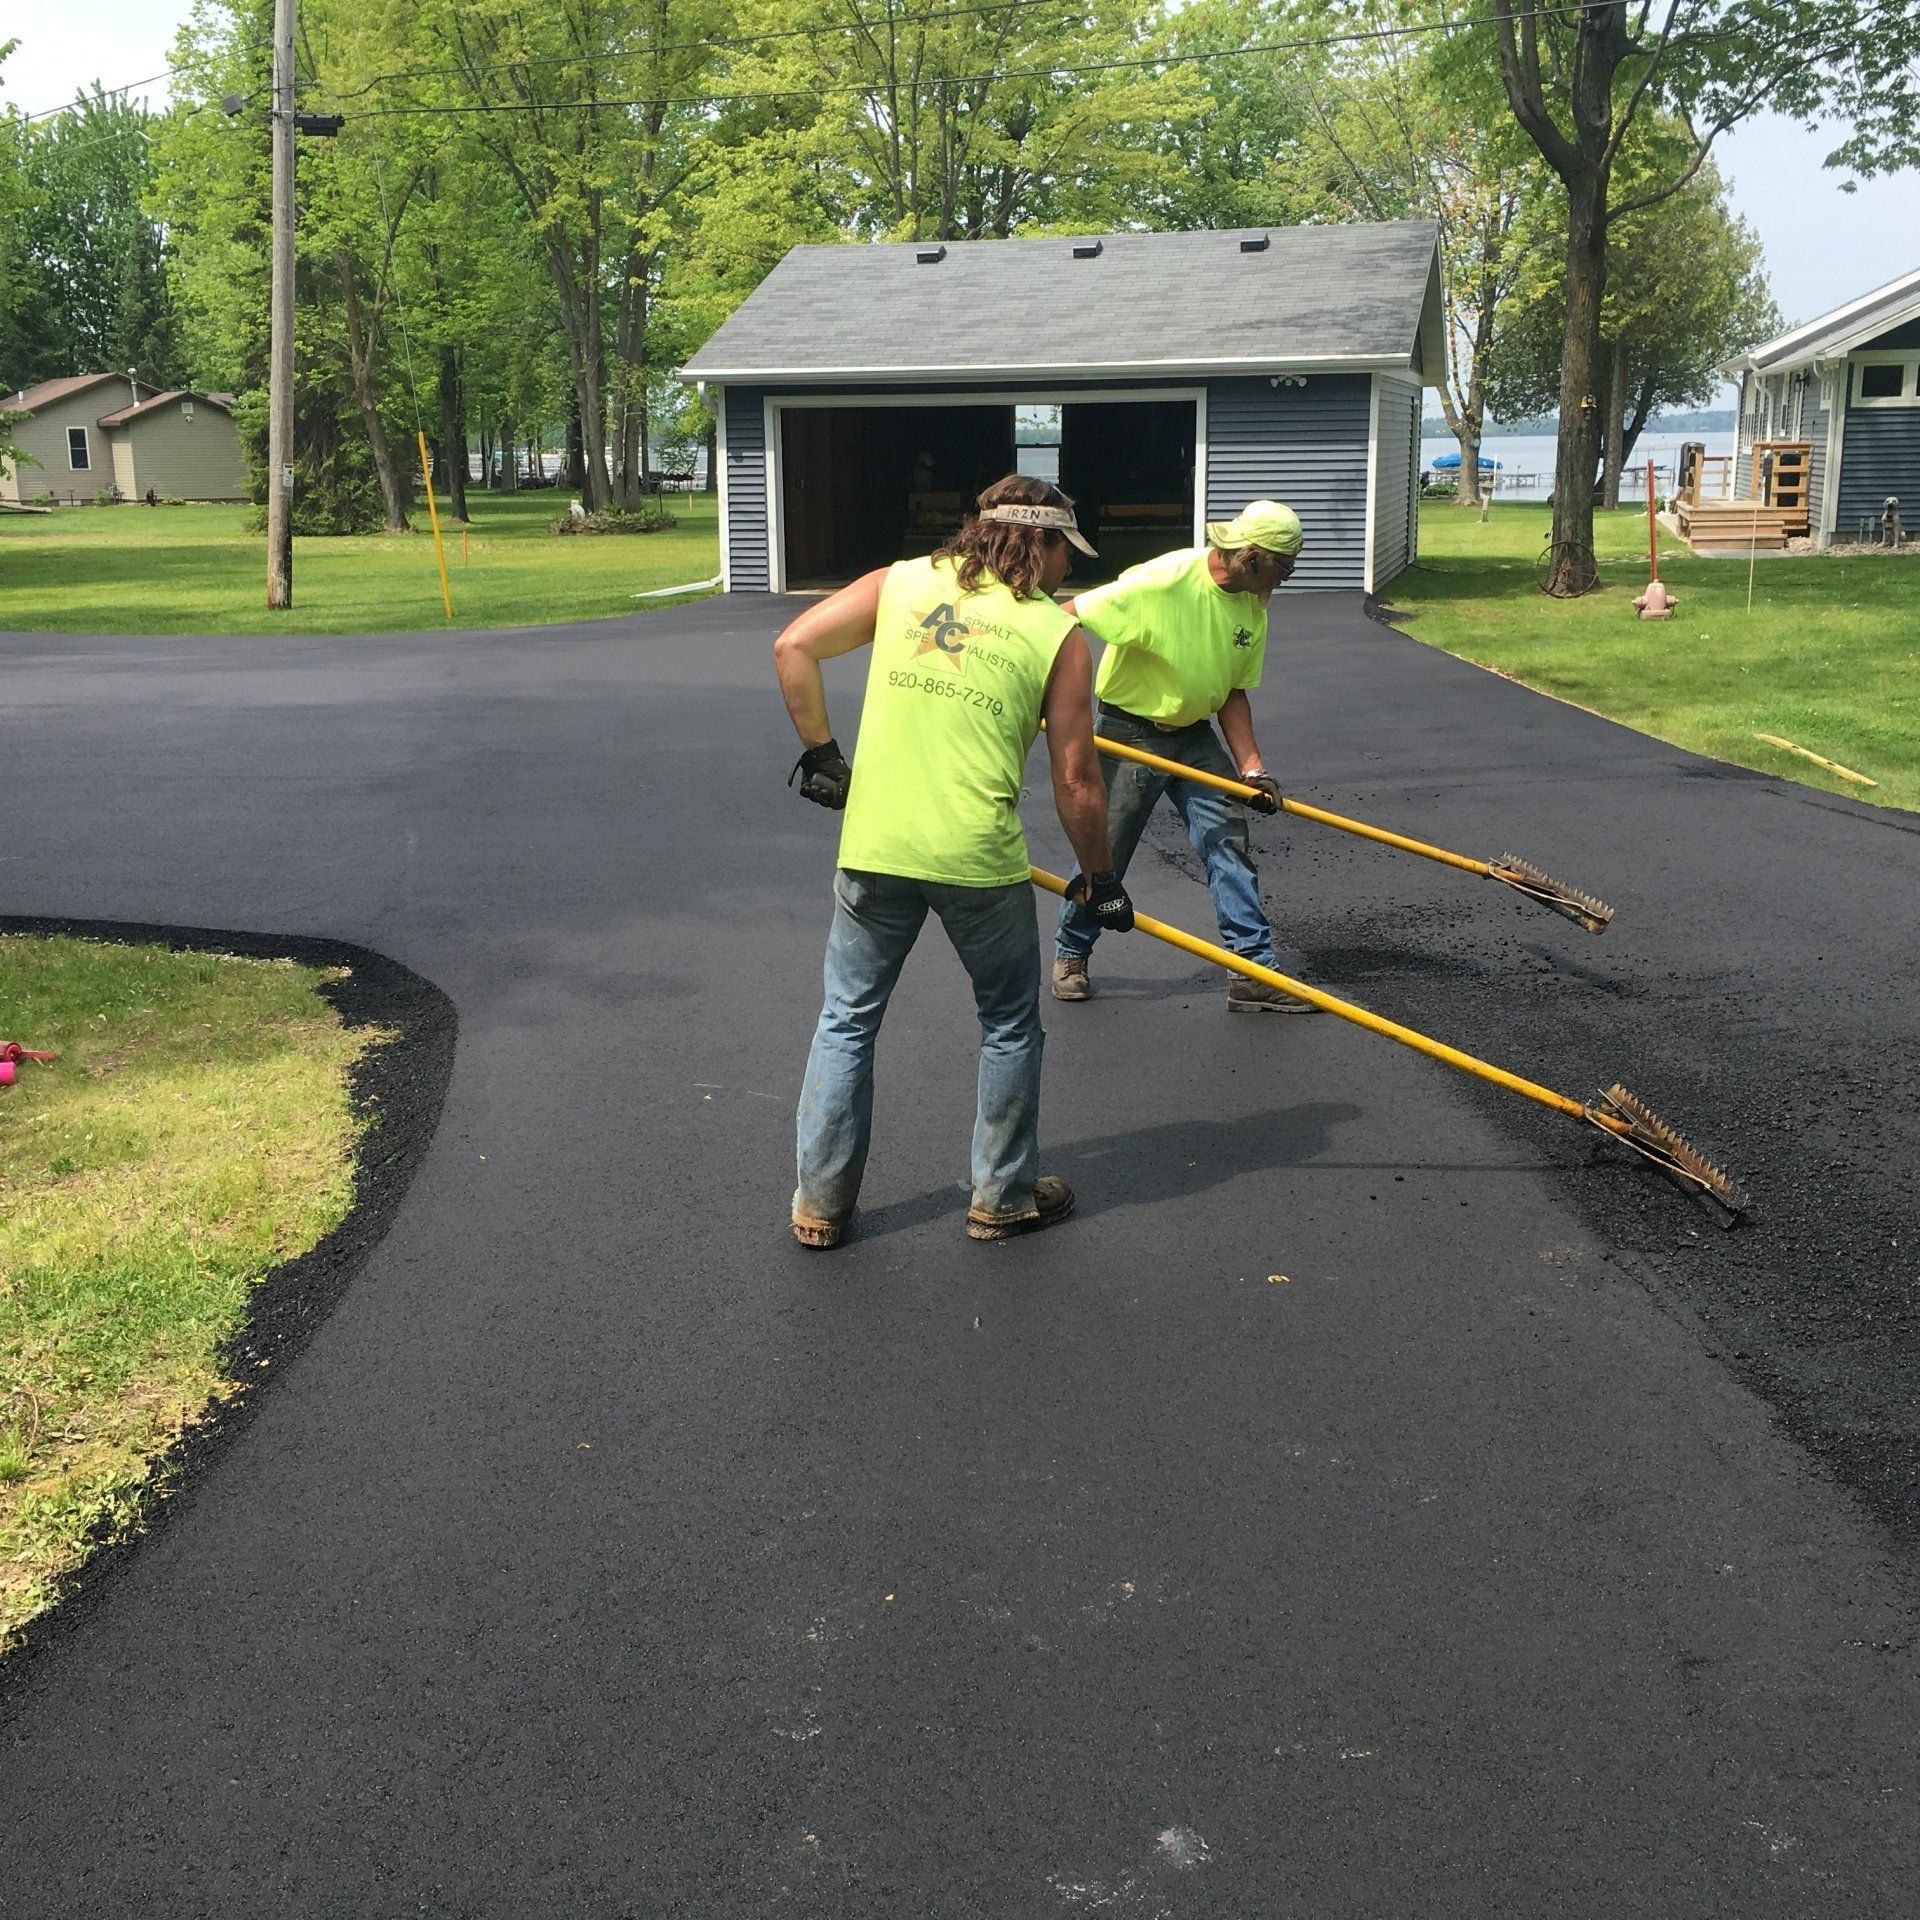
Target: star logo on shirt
x=1242, y=637
x=942, y=632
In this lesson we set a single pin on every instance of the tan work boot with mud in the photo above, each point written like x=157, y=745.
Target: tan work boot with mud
x=1070, y=980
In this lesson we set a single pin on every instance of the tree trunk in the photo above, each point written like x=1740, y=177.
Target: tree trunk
x=360, y=363
x=453, y=433
x=713, y=453
x=486, y=456
x=630, y=385
x=509, y=457
x=1577, y=450
x=576, y=462
x=1468, y=435
x=1642, y=407
x=1616, y=406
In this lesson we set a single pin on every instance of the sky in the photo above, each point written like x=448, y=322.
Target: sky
x=1823, y=246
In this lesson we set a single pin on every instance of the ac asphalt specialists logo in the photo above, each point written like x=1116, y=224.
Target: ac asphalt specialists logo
x=1242, y=637
x=943, y=633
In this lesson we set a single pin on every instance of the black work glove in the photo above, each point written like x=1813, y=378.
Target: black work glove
x=1105, y=897
x=1266, y=796
x=828, y=775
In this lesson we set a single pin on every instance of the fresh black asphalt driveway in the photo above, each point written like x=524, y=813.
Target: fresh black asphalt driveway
x=1383, y=1499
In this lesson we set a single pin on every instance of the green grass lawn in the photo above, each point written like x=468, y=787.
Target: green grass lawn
x=137, y=569
x=1829, y=656
x=195, y=1131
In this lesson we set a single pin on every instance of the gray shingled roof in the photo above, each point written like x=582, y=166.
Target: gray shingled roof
x=1838, y=332
x=1359, y=297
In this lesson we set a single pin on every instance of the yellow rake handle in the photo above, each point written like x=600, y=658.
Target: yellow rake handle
x=1328, y=1003
x=1241, y=791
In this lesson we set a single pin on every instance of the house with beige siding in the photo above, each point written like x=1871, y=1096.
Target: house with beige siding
x=98, y=431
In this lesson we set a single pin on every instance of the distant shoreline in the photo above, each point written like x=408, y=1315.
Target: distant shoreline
x=1719, y=420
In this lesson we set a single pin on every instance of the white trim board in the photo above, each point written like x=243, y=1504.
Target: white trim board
x=720, y=485
x=773, y=405
x=1398, y=363
x=1836, y=447
x=1373, y=478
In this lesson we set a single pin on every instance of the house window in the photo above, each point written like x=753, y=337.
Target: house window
x=77, y=456
x=1886, y=380
x=186, y=409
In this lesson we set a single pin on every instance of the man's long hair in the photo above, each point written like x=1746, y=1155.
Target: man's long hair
x=1013, y=555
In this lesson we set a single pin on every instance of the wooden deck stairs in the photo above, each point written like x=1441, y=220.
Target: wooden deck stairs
x=1712, y=520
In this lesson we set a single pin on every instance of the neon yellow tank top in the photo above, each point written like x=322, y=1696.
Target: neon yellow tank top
x=953, y=704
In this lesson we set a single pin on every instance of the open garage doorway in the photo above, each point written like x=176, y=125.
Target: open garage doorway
x=861, y=487
x=864, y=483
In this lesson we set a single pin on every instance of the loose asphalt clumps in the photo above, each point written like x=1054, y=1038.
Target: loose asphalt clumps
x=1813, y=1299
x=399, y=1088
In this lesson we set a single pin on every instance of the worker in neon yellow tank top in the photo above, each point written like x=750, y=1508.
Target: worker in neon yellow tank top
x=969, y=652
x=1186, y=637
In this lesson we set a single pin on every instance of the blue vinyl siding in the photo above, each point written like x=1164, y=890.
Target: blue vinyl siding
x=1879, y=455
x=1395, y=475
x=1879, y=450
x=1306, y=446
x=747, y=568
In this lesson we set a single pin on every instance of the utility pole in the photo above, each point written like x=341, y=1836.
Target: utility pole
x=280, y=351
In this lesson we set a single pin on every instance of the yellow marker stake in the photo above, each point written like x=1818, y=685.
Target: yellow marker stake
x=1819, y=760
x=433, y=514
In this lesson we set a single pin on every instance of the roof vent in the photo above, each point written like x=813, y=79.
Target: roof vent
x=1253, y=243
x=929, y=256
x=1086, y=249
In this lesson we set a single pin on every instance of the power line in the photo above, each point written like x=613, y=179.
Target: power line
x=110, y=93
x=1159, y=60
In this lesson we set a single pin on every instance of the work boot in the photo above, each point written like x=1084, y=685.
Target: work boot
x=811, y=1231
x=1256, y=996
x=1070, y=980
x=1052, y=1202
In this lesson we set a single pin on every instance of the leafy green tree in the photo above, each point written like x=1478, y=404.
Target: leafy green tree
x=1397, y=128
x=213, y=184
x=1578, y=79
x=918, y=120
x=87, y=290
x=590, y=108
x=1685, y=291
x=1252, y=108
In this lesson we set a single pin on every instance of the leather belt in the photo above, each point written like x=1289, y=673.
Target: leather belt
x=1141, y=720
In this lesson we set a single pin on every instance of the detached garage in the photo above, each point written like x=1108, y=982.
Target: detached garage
x=865, y=394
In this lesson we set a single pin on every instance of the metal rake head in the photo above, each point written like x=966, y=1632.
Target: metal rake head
x=1635, y=1124
x=1524, y=877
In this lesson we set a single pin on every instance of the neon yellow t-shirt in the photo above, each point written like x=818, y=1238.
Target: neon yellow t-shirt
x=953, y=704
x=1177, y=644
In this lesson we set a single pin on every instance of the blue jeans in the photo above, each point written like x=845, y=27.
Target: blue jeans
x=1215, y=824
x=876, y=919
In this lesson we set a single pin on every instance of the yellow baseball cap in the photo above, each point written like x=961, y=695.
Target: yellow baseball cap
x=1260, y=523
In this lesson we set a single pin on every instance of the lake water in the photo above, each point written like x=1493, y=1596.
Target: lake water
x=1526, y=460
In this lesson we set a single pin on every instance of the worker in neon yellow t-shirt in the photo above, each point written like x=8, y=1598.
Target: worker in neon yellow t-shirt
x=1186, y=636
x=969, y=652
